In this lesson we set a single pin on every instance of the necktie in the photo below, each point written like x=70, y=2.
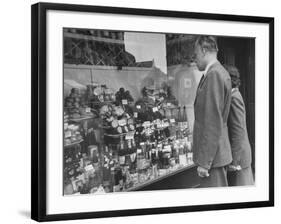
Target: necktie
x=201, y=81
x=199, y=86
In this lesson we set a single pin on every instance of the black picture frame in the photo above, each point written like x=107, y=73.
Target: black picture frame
x=39, y=114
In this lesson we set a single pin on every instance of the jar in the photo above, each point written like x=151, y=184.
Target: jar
x=93, y=153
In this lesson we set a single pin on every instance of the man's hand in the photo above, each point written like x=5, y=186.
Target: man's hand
x=202, y=172
x=234, y=168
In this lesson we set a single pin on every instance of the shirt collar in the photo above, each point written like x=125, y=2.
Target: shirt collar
x=209, y=65
x=234, y=90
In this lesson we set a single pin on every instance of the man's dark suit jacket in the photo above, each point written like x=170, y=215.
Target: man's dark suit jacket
x=211, y=147
x=237, y=129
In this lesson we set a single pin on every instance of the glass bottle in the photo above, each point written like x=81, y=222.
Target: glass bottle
x=184, y=118
x=133, y=156
x=128, y=153
x=121, y=152
x=179, y=115
x=182, y=155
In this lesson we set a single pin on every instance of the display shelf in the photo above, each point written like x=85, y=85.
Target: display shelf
x=101, y=103
x=81, y=118
x=159, y=178
x=119, y=135
x=168, y=107
x=73, y=144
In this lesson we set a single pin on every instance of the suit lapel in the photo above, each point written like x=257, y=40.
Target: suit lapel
x=202, y=80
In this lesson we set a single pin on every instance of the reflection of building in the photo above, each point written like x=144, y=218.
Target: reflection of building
x=97, y=47
x=183, y=75
x=179, y=48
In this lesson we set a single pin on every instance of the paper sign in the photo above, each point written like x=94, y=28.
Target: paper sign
x=187, y=83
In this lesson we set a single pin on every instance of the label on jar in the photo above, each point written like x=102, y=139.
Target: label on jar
x=154, y=109
x=133, y=156
x=146, y=123
x=124, y=102
x=188, y=143
x=122, y=160
x=141, y=163
x=122, y=122
x=129, y=136
x=67, y=134
x=183, y=159
x=167, y=148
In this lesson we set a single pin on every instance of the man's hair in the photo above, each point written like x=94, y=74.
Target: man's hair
x=208, y=43
x=234, y=75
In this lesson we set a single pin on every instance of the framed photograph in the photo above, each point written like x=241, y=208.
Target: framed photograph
x=139, y=111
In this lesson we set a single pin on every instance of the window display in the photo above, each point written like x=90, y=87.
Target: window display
x=137, y=142
x=123, y=125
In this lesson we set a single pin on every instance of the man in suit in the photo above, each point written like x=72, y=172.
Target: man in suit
x=240, y=171
x=211, y=147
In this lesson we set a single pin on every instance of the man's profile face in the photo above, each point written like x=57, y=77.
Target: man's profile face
x=199, y=58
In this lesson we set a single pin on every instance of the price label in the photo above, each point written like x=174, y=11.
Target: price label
x=88, y=109
x=167, y=148
x=168, y=104
x=154, y=109
x=138, y=106
x=68, y=134
x=135, y=114
x=124, y=102
x=172, y=120
x=89, y=168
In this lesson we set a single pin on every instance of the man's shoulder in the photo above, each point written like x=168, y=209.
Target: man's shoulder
x=236, y=97
x=219, y=71
x=218, y=68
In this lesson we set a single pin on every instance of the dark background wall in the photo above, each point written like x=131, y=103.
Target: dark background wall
x=241, y=53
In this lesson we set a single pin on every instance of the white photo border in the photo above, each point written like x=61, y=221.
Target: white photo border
x=59, y=204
